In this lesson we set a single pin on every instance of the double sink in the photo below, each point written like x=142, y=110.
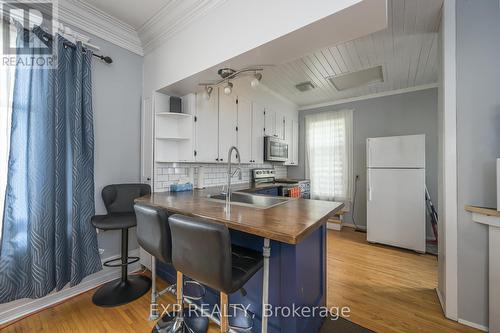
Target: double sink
x=250, y=200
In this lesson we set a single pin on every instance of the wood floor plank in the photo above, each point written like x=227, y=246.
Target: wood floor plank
x=388, y=290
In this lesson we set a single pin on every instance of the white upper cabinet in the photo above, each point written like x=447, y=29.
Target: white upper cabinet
x=289, y=138
x=270, y=122
x=292, y=138
x=245, y=130
x=228, y=120
x=257, y=133
x=280, y=126
x=207, y=128
x=295, y=140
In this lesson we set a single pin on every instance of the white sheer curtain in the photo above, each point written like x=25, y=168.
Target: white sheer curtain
x=6, y=90
x=329, y=155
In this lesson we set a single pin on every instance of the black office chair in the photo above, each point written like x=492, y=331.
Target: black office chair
x=153, y=234
x=119, y=202
x=202, y=250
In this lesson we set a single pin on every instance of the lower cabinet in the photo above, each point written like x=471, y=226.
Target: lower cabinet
x=268, y=191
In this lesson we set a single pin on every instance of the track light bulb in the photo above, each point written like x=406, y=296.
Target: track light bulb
x=228, y=88
x=256, y=80
x=207, y=93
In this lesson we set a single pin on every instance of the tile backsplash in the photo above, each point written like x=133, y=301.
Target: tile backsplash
x=167, y=174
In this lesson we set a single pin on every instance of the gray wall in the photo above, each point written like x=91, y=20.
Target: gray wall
x=404, y=114
x=478, y=145
x=117, y=104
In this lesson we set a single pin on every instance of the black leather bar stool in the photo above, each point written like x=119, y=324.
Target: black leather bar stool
x=154, y=236
x=202, y=250
x=119, y=202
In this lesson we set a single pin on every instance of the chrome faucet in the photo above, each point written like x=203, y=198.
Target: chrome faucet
x=231, y=174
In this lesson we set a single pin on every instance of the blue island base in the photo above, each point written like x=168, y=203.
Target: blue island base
x=297, y=279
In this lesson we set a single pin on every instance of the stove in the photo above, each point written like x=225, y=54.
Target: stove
x=286, y=186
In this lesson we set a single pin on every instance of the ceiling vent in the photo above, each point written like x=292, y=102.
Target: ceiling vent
x=357, y=79
x=305, y=86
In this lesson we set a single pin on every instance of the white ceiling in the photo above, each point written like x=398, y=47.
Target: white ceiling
x=132, y=12
x=407, y=50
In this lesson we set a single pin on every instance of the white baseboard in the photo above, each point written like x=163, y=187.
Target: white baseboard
x=334, y=226
x=440, y=298
x=474, y=325
x=461, y=321
x=25, y=307
x=351, y=225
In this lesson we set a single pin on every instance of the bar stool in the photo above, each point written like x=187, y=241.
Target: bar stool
x=119, y=202
x=203, y=251
x=153, y=235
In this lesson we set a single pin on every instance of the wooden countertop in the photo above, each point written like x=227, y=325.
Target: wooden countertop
x=483, y=210
x=289, y=222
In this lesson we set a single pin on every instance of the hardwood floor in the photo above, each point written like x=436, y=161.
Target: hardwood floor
x=387, y=290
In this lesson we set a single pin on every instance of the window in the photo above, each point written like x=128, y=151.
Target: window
x=6, y=90
x=329, y=155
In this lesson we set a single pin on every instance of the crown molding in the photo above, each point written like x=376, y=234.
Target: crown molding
x=174, y=16
x=171, y=19
x=90, y=19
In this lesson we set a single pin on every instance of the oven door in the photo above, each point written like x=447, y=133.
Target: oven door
x=276, y=150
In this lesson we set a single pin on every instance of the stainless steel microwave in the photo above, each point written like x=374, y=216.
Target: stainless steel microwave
x=275, y=149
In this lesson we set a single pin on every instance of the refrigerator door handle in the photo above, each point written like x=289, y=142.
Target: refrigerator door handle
x=368, y=153
x=369, y=187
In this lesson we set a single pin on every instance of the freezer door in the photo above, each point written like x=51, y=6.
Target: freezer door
x=406, y=151
x=396, y=207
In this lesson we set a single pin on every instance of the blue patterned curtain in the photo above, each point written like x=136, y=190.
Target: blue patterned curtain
x=47, y=240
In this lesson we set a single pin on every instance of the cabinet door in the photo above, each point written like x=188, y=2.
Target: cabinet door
x=270, y=122
x=245, y=130
x=206, y=128
x=289, y=139
x=147, y=142
x=228, y=119
x=257, y=133
x=295, y=142
x=280, y=126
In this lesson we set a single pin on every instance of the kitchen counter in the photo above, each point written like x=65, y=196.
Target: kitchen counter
x=293, y=233
x=289, y=222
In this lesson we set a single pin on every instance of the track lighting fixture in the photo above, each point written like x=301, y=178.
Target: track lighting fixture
x=227, y=74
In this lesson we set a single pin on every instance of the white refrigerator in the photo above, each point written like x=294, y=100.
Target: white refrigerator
x=396, y=209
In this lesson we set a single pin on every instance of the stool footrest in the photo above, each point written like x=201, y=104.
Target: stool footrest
x=240, y=319
x=130, y=260
x=194, y=290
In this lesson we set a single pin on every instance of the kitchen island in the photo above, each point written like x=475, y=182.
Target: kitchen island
x=296, y=233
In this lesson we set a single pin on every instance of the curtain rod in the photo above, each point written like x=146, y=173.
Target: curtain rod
x=106, y=59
